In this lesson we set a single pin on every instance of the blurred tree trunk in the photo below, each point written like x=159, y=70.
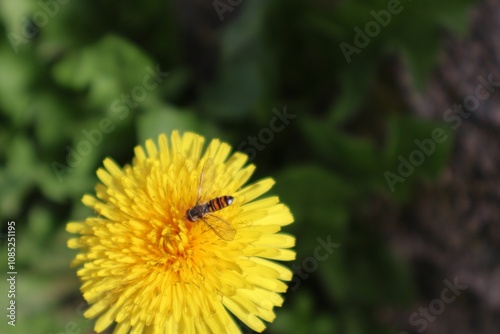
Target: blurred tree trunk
x=451, y=228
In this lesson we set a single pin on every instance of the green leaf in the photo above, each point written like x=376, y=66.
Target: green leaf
x=300, y=317
x=52, y=118
x=354, y=83
x=15, y=13
x=152, y=124
x=421, y=46
x=41, y=221
x=18, y=177
x=355, y=157
x=99, y=69
x=240, y=84
x=17, y=71
x=37, y=297
x=243, y=34
x=364, y=272
x=415, y=148
x=237, y=91
x=319, y=201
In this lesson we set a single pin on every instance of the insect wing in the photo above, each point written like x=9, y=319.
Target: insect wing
x=221, y=227
x=207, y=176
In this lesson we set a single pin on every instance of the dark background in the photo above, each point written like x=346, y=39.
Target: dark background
x=356, y=162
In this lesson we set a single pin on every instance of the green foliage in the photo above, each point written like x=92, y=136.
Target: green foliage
x=58, y=85
x=105, y=70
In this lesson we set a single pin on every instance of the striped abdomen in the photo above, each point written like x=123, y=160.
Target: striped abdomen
x=219, y=203
x=216, y=204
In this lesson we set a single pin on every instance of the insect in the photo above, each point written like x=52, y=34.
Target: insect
x=204, y=211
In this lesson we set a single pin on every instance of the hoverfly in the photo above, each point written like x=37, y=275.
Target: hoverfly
x=202, y=211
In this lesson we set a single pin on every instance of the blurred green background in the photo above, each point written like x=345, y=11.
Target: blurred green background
x=76, y=76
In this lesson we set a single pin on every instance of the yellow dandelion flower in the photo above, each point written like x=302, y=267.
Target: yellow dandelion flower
x=180, y=243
